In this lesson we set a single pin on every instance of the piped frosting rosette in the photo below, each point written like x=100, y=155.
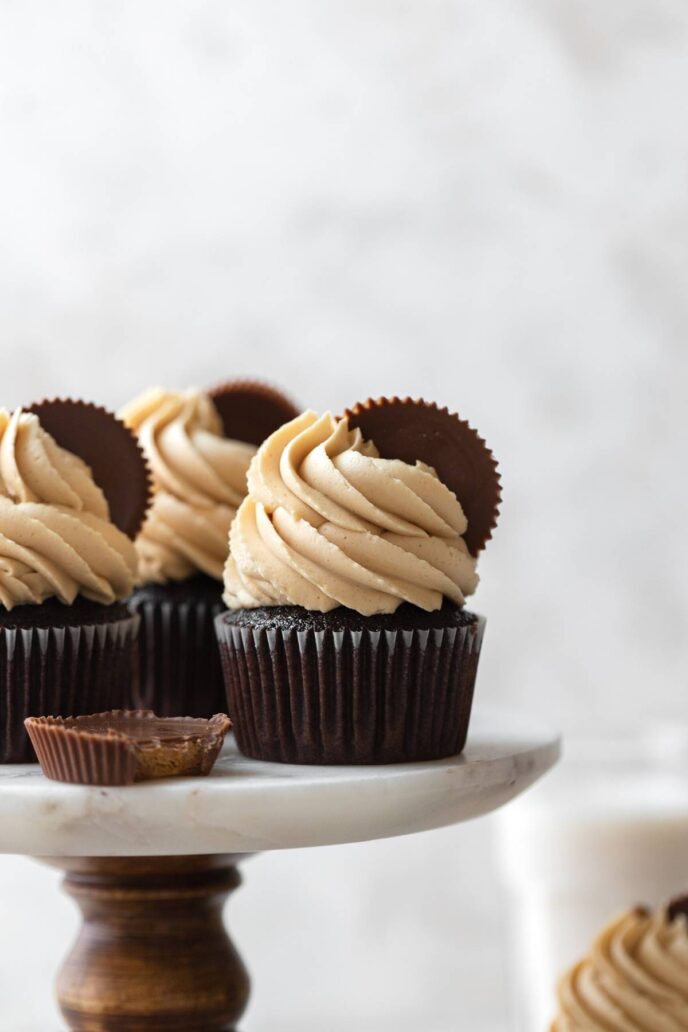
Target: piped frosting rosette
x=327, y=522
x=635, y=978
x=56, y=535
x=200, y=480
x=199, y=445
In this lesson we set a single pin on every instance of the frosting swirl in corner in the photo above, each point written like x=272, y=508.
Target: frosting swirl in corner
x=56, y=537
x=199, y=481
x=329, y=523
x=635, y=978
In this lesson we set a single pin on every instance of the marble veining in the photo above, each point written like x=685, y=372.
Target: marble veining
x=246, y=805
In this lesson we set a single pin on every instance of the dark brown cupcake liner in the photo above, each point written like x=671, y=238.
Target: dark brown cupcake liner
x=121, y=747
x=178, y=672
x=62, y=671
x=349, y=696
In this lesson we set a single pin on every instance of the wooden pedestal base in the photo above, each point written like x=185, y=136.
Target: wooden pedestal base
x=152, y=953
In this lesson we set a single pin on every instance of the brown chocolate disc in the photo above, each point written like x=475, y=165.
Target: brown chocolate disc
x=109, y=449
x=677, y=906
x=419, y=430
x=251, y=411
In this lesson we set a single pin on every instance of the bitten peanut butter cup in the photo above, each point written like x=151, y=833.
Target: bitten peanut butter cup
x=417, y=430
x=250, y=410
x=124, y=746
x=109, y=448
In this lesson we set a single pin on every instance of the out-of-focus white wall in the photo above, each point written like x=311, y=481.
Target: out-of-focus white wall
x=482, y=204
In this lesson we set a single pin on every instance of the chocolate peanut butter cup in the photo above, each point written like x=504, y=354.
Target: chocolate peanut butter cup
x=677, y=907
x=124, y=746
x=109, y=449
x=251, y=410
x=422, y=431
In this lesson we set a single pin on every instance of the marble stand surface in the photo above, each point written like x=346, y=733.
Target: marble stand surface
x=247, y=806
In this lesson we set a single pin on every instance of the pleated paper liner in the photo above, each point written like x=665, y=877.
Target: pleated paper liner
x=365, y=695
x=72, y=667
x=124, y=746
x=178, y=670
x=420, y=430
x=109, y=449
x=251, y=410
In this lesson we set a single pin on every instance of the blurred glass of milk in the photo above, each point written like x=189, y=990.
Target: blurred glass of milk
x=606, y=830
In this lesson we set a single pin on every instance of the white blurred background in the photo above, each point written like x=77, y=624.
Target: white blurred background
x=482, y=204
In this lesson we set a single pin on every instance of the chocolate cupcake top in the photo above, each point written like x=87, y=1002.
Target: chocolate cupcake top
x=56, y=535
x=328, y=523
x=635, y=978
x=199, y=480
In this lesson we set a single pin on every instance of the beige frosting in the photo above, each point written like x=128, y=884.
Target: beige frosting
x=56, y=538
x=199, y=479
x=635, y=979
x=329, y=523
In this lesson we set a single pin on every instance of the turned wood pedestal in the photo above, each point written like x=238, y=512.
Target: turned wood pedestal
x=153, y=953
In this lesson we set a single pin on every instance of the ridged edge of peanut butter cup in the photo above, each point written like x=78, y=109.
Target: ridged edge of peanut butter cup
x=251, y=410
x=417, y=430
x=109, y=448
x=121, y=747
x=677, y=906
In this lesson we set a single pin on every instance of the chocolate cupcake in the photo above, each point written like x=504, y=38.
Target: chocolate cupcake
x=73, y=493
x=635, y=976
x=347, y=640
x=199, y=456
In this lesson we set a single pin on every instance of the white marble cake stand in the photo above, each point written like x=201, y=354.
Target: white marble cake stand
x=151, y=865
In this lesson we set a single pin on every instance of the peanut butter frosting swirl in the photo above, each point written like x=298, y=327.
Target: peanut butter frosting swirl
x=199, y=481
x=56, y=537
x=635, y=978
x=329, y=523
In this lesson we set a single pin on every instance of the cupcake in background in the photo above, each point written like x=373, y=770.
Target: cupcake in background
x=347, y=639
x=634, y=979
x=199, y=446
x=74, y=490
